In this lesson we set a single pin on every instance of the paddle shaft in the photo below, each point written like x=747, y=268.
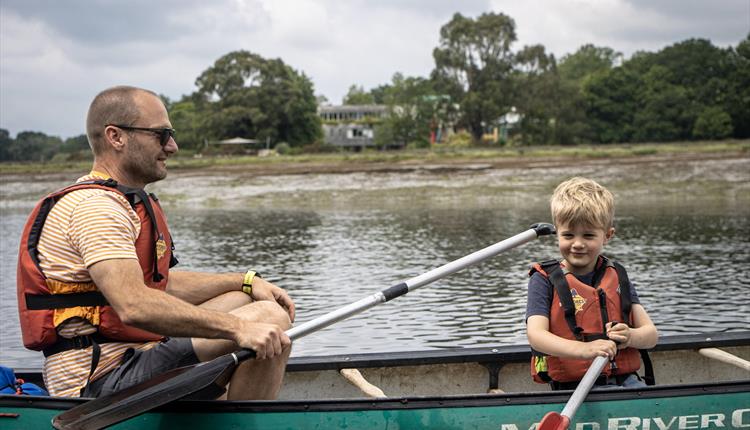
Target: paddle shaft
x=584, y=386
x=411, y=284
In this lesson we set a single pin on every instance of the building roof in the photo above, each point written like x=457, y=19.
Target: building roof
x=236, y=141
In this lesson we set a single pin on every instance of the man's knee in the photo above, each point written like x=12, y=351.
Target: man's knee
x=227, y=302
x=270, y=312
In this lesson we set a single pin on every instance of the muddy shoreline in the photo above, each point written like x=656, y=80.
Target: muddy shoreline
x=444, y=165
x=275, y=168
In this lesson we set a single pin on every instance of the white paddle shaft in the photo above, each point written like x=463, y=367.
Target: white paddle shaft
x=584, y=386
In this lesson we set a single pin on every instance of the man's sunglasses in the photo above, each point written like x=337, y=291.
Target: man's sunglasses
x=163, y=133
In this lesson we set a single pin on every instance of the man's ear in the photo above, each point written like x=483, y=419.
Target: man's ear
x=114, y=137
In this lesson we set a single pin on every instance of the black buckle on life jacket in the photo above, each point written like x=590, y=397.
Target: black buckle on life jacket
x=79, y=342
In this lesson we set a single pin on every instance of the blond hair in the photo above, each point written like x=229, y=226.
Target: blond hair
x=582, y=201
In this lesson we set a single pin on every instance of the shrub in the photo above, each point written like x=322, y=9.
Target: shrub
x=282, y=148
x=712, y=123
x=462, y=138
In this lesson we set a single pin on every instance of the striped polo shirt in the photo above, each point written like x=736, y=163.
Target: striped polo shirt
x=85, y=227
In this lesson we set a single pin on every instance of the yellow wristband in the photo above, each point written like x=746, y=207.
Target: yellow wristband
x=247, y=282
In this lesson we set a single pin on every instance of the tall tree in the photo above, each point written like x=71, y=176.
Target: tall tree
x=573, y=71
x=586, y=61
x=538, y=102
x=473, y=64
x=415, y=110
x=250, y=96
x=188, y=122
x=737, y=103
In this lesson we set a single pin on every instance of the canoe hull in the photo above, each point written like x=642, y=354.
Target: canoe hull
x=445, y=389
x=720, y=406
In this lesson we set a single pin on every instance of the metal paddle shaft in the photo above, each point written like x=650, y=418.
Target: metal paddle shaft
x=561, y=421
x=178, y=383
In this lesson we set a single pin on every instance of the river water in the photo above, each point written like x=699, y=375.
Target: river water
x=683, y=232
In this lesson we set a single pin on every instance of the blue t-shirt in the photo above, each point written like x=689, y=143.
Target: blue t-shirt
x=540, y=291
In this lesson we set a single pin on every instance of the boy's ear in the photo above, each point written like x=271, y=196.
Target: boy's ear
x=610, y=233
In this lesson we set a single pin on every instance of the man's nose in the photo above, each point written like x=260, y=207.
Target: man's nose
x=171, y=146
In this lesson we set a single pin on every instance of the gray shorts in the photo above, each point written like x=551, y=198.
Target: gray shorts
x=138, y=366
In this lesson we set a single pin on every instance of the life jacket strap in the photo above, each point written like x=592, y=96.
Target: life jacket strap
x=557, y=278
x=36, y=302
x=78, y=342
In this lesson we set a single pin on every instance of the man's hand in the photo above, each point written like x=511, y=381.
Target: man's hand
x=264, y=290
x=267, y=340
x=620, y=333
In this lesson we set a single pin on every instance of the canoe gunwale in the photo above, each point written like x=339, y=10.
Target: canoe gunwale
x=492, y=355
x=425, y=402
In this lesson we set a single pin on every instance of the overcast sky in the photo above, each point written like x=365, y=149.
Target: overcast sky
x=56, y=55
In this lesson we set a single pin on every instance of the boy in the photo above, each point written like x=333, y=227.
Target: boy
x=584, y=306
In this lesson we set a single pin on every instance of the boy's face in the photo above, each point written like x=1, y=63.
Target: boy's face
x=581, y=245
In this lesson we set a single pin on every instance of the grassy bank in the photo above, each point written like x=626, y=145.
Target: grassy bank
x=436, y=155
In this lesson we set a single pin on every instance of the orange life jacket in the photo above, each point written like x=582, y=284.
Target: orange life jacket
x=44, y=304
x=580, y=312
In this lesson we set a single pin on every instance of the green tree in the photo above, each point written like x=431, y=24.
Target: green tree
x=663, y=112
x=659, y=96
x=188, y=123
x=75, y=144
x=586, y=61
x=244, y=94
x=379, y=93
x=611, y=104
x=35, y=146
x=713, y=123
x=573, y=71
x=415, y=109
x=358, y=96
x=737, y=102
x=474, y=64
x=538, y=102
x=6, y=143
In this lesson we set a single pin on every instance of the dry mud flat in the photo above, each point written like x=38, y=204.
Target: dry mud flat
x=516, y=162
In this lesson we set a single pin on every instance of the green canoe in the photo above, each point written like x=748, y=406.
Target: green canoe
x=447, y=389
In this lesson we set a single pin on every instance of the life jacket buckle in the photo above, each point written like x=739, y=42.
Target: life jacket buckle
x=81, y=342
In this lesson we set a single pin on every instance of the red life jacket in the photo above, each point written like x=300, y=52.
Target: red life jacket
x=580, y=312
x=44, y=304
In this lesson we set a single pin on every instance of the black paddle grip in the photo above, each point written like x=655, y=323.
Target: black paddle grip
x=395, y=291
x=543, y=228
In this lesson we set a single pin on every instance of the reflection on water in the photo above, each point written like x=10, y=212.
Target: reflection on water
x=682, y=231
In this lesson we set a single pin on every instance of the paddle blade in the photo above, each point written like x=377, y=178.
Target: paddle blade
x=173, y=385
x=554, y=421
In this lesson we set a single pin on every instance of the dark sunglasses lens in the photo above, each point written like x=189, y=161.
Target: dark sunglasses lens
x=165, y=135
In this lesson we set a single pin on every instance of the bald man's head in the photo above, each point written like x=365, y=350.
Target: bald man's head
x=116, y=105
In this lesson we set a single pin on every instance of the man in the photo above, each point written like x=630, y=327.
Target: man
x=95, y=288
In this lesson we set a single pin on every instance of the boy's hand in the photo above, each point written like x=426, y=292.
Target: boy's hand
x=620, y=333
x=599, y=347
